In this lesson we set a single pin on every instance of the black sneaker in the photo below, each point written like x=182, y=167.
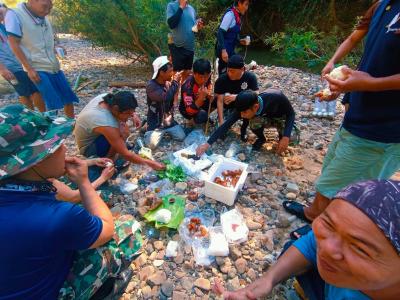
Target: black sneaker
x=258, y=144
x=243, y=138
x=113, y=287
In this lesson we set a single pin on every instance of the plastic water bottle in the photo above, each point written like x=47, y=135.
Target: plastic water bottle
x=317, y=107
x=331, y=109
x=140, y=143
x=233, y=150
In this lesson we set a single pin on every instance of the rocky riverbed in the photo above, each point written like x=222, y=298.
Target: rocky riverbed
x=291, y=176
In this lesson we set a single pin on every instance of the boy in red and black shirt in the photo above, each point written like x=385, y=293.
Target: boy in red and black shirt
x=197, y=92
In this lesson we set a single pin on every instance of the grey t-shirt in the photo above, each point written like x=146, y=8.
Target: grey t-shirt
x=91, y=117
x=183, y=35
x=7, y=57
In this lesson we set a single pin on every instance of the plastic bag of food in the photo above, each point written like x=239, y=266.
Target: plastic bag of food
x=195, y=225
x=172, y=203
x=126, y=186
x=190, y=163
x=234, y=227
x=218, y=243
x=196, y=136
x=162, y=187
x=200, y=253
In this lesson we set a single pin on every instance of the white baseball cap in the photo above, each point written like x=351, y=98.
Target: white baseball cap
x=158, y=63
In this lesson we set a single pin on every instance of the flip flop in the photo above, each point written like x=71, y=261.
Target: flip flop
x=296, y=209
x=299, y=232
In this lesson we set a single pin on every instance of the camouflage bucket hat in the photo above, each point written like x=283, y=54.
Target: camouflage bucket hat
x=28, y=137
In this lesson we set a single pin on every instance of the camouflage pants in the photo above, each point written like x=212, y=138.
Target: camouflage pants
x=93, y=267
x=258, y=122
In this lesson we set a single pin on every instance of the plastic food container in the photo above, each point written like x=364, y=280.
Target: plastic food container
x=226, y=195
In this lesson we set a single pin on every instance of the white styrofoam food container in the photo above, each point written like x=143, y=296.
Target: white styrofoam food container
x=221, y=193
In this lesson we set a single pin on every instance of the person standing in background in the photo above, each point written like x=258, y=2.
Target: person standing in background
x=12, y=71
x=181, y=19
x=31, y=38
x=228, y=33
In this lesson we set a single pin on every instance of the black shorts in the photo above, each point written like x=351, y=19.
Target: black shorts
x=182, y=59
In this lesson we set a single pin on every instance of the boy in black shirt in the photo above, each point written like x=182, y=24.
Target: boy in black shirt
x=229, y=85
x=271, y=108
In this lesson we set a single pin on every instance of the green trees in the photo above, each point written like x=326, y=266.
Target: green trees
x=134, y=28
x=305, y=29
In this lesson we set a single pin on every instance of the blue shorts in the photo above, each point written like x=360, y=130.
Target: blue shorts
x=99, y=148
x=55, y=90
x=25, y=86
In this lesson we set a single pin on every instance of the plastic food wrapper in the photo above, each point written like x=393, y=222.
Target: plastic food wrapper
x=172, y=249
x=200, y=253
x=163, y=216
x=196, y=136
x=207, y=219
x=191, y=166
x=162, y=188
x=126, y=186
x=176, y=205
x=218, y=243
x=234, y=227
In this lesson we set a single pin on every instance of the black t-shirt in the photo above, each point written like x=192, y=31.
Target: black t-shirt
x=375, y=115
x=224, y=85
x=275, y=105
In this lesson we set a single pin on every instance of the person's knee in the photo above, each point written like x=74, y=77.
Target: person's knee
x=201, y=117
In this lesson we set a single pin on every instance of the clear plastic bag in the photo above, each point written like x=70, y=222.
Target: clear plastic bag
x=126, y=186
x=196, y=136
x=234, y=227
x=162, y=188
x=218, y=243
x=191, y=166
x=234, y=149
x=207, y=219
x=200, y=253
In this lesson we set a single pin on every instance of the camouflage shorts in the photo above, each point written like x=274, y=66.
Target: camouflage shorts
x=93, y=267
x=279, y=124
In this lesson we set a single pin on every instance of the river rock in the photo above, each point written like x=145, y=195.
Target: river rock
x=203, y=284
x=292, y=187
x=241, y=265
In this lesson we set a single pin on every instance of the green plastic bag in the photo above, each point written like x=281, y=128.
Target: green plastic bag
x=177, y=208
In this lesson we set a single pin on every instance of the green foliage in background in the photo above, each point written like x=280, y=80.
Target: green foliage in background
x=135, y=28
x=306, y=30
x=312, y=47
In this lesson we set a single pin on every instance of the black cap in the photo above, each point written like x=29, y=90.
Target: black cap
x=235, y=62
x=245, y=100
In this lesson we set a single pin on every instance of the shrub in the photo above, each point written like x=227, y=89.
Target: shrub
x=136, y=28
x=313, y=47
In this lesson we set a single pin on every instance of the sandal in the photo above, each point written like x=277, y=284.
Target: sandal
x=296, y=209
x=299, y=232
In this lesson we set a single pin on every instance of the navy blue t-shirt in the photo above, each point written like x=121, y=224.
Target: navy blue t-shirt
x=376, y=115
x=38, y=239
